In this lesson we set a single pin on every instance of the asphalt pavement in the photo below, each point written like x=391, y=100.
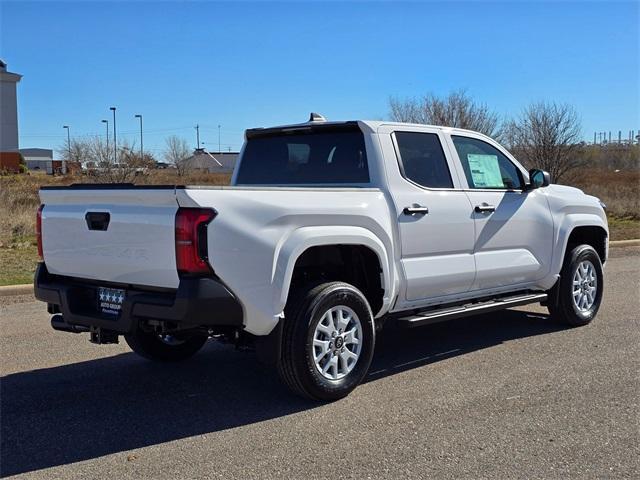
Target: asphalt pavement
x=505, y=395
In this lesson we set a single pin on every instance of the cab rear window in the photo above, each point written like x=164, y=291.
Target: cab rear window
x=320, y=156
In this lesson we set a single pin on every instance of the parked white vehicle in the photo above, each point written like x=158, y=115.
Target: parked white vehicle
x=328, y=230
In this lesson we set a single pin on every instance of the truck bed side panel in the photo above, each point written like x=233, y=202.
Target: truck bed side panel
x=247, y=237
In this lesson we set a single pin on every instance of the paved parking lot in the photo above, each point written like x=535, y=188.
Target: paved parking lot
x=504, y=395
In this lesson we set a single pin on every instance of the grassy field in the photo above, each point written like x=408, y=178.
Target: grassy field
x=620, y=191
x=19, y=200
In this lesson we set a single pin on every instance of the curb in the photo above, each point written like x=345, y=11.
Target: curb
x=28, y=288
x=625, y=243
x=16, y=290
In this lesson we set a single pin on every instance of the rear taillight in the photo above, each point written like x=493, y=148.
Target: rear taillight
x=39, y=231
x=191, y=240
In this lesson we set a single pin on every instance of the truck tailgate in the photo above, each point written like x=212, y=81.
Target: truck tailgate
x=134, y=244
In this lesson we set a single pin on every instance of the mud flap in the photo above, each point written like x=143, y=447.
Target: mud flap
x=269, y=347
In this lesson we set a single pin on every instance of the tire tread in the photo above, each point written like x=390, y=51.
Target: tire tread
x=301, y=302
x=561, y=309
x=286, y=365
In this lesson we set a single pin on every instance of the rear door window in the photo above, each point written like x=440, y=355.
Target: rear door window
x=423, y=160
x=320, y=156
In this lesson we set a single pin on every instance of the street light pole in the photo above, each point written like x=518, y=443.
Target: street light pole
x=107, y=122
x=68, y=141
x=141, y=149
x=219, y=151
x=197, y=127
x=115, y=140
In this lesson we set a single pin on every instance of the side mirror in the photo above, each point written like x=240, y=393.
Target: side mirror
x=538, y=179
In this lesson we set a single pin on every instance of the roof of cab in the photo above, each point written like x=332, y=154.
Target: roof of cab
x=371, y=125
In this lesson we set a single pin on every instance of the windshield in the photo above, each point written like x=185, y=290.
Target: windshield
x=308, y=156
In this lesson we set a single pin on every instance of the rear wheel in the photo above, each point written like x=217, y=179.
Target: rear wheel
x=328, y=341
x=578, y=293
x=164, y=348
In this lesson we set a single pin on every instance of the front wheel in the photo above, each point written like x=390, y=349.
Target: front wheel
x=328, y=341
x=164, y=348
x=578, y=293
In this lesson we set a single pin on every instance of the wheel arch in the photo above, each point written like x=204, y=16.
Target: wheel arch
x=310, y=246
x=593, y=235
x=574, y=226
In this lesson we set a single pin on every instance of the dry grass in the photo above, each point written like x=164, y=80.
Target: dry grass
x=19, y=197
x=19, y=201
x=18, y=264
x=620, y=191
x=624, y=228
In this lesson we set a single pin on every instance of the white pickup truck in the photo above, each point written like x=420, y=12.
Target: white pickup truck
x=328, y=230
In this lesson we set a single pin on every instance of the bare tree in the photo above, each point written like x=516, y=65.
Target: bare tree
x=101, y=153
x=177, y=151
x=75, y=153
x=455, y=110
x=547, y=135
x=128, y=164
x=96, y=158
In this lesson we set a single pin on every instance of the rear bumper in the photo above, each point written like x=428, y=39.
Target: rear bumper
x=197, y=302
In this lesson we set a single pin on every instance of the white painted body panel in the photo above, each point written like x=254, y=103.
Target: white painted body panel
x=436, y=249
x=137, y=248
x=512, y=244
x=448, y=255
x=259, y=233
x=571, y=208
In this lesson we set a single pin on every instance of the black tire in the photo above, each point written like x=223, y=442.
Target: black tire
x=297, y=366
x=153, y=347
x=561, y=305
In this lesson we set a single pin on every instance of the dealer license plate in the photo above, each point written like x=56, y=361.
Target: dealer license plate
x=110, y=300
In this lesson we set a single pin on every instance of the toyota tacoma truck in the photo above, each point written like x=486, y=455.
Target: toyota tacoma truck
x=328, y=230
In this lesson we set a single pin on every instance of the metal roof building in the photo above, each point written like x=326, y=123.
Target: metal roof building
x=213, y=162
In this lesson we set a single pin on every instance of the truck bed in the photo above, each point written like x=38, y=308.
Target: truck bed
x=138, y=245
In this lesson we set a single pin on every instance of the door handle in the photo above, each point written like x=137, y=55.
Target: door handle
x=97, y=220
x=415, y=210
x=485, y=208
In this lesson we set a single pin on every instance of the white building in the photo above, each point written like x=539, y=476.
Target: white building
x=41, y=160
x=8, y=109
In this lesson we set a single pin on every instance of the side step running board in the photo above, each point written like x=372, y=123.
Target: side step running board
x=428, y=317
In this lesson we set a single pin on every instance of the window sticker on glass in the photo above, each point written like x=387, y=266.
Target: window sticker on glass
x=485, y=171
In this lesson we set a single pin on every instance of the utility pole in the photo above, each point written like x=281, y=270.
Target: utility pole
x=619, y=137
x=219, y=151
x=115, y=140
x=594, y=138
x=197, y=127
x=107, y=122
x=141, y=149
x=68, y=141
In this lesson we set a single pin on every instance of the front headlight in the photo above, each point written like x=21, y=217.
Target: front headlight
x=604, y=207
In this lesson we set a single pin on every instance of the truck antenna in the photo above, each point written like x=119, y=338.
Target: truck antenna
x=316, y=117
